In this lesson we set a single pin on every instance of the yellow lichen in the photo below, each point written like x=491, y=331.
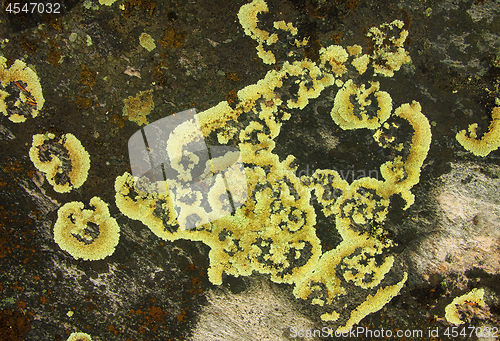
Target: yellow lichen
x=248, y=20
x=489, y=142
x=402, y=176
x=147, y=42
x=282, y=25
x=354, y=116
x=79, y=337
x=226, y=135
x=373, y=304
x=335, y=57
x=107, y=2
x=23, y=81
x=361, y=63
x=360, y=267
x=140, y=205
x=274, y=232
x=74, y=234
x=63, y=160
x=388, y=53
x=354, y=50
x=137, y=108
x=476, y=296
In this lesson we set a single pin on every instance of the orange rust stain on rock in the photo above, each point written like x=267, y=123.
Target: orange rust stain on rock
x=83, y=102
x=112, y=329
x=233, y=76
x=13, y=325
x=21, y=305
x=118, y=120
x=155, y=314
x=352, y=4
x=87, y=76
x=30, y=46
x=54, y=56
x=146, y=5
x=173, y=38
x=181, y=317
x=231, y=97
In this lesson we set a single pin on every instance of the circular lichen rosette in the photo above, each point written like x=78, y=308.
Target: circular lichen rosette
x=79, y=337
x=20, y=91
x=63, y=159
x=87, y=234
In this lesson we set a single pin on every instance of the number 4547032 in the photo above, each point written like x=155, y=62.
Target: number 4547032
x=33, y=7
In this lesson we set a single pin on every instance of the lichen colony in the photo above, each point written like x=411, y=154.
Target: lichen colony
x=273, y=232
x=308, y=193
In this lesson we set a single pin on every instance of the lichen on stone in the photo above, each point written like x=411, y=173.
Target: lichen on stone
x=274, y=232
x=489, y=142
x=474, y=297
x=20, y=93
x=87, y=234
x=79, y=337
x=63, y=159
x=147, y=42
x=137, y=108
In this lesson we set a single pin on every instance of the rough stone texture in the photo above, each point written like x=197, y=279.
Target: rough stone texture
x=261, y=312
x=468, y=222
x=462, y=223
x=152, y=289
